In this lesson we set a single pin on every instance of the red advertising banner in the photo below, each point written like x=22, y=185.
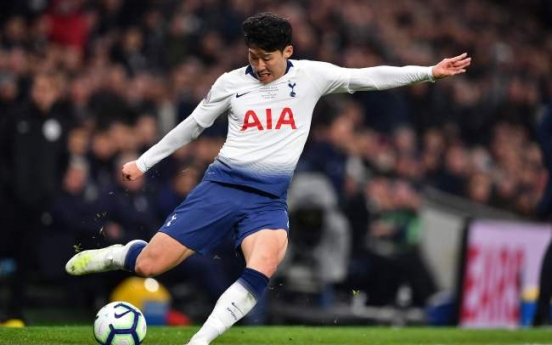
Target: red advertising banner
x=502, y=260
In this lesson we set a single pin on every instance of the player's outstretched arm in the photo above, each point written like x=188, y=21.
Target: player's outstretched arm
x=388, y=77
x=451, y=66
x=181, y=135
x=130, y=171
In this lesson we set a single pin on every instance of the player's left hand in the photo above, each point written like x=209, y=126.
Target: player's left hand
x=451, y=66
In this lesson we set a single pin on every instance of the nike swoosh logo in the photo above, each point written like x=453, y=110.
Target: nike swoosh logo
x=118, y=316
x=238, y=95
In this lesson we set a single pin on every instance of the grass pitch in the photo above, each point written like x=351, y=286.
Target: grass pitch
x=82, y=335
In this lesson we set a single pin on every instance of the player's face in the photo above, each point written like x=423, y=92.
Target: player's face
x=269, y=66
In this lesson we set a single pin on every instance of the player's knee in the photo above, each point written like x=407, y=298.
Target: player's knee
x=266, y=264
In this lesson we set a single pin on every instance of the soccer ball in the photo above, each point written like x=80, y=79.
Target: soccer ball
x=119, y=323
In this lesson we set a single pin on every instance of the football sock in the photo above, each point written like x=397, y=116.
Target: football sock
x=129, y=253
x=233, y=304
x=254, y=281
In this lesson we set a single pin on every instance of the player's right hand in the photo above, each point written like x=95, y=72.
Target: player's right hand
x=451, y=66
x=130, y=171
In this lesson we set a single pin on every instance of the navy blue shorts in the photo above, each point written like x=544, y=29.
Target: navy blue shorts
x=212, y=210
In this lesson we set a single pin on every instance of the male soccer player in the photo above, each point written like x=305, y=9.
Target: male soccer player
x=269, y=105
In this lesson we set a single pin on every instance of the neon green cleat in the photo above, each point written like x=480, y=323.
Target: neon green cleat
x=94, y=261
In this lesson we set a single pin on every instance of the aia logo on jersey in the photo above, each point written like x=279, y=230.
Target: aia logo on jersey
x=252, y=120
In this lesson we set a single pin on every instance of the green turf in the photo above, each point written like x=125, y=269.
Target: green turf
x=289, y=335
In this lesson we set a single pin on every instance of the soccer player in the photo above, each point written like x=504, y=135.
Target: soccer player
x=269, y=105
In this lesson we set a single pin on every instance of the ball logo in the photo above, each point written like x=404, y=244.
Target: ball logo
x=128, y=310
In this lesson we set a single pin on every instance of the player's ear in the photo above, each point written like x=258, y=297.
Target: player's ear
x=288, y=51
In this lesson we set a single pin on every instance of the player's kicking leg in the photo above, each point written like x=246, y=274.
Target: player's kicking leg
x=144, y=259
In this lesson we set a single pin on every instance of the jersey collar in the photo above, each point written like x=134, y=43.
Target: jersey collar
x=249, y=69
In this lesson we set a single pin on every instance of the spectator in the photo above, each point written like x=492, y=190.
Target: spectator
x=170, y=194
x=456, y=171
x=68, y=24
x=387, y=254
x=34, y=158
x=329, y=154
x=101, y=157
x=75, y=209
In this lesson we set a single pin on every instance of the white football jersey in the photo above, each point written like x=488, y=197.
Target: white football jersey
x=268, y=124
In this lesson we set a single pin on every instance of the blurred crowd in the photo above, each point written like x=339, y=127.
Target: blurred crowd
x=86, y=85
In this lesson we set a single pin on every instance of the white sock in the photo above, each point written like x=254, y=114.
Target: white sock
x=118, y=254
x=231, y=306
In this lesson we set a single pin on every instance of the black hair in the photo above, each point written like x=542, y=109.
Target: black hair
x=267, y=31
